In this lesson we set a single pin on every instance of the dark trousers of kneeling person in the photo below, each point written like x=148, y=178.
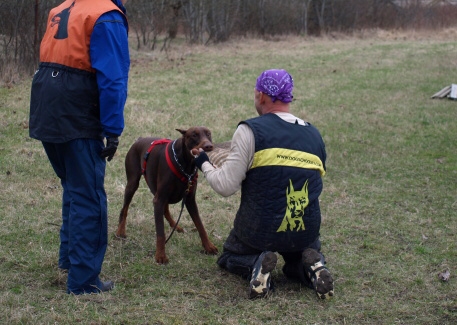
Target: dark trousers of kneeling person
x=239, y=258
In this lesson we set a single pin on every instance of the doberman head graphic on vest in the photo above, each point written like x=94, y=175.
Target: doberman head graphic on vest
x=297, y=201
x=62, y=20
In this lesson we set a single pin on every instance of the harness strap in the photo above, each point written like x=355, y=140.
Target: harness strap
x=181, y=177
x=146, y=155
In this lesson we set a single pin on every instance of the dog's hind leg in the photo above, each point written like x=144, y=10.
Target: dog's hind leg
x=133, y=172
x=130, y=190
x=170, y=219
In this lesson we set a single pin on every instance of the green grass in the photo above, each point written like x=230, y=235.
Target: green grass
x=388, y=205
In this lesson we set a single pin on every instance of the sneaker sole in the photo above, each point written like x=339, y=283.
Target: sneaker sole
x=260, y=285
x=320, y=276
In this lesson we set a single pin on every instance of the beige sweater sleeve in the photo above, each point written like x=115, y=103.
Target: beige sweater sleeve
x=227, y=179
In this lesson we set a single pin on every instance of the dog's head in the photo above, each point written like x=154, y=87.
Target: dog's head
x=197, y=137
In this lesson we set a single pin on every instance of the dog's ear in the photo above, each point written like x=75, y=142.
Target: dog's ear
x=181, y=131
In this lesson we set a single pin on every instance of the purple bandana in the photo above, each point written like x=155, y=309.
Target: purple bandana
x=278, y=84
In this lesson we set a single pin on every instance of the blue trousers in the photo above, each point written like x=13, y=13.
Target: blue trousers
x=84, y=230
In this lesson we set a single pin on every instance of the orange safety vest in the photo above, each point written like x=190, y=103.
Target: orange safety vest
x=68, y=32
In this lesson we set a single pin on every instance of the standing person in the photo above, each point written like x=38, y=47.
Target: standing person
x=277, y=161
x=77, y=99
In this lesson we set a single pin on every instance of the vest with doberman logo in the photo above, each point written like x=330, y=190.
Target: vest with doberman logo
x=279, y=208
x=68, y=32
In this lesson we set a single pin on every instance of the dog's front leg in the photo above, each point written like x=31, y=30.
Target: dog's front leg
x=159, y=208
x=192, y=208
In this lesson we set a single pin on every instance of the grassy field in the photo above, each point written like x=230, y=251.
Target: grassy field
x=389, y=201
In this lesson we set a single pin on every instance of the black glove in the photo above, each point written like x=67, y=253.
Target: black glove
x=202, y=157
x=110, y=149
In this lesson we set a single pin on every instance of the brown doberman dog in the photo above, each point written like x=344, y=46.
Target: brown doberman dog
x=171, y=175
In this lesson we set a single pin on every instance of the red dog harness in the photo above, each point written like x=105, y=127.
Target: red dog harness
x=189, y=180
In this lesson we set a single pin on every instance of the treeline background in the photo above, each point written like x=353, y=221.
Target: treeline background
x=155, y=23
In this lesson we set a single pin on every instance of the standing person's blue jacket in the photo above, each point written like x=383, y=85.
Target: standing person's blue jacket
x=112, y=72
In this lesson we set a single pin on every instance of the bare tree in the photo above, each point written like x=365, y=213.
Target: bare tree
x=305, y=6
x=221, y=18
x=195, y=20
x=319, y=11
x=142, y=23
x=172, y=22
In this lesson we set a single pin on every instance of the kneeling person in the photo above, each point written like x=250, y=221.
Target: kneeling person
x=277, y=160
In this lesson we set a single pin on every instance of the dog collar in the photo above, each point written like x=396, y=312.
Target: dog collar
x=182, y=175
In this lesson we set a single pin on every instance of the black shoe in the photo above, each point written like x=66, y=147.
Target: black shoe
x=106, y=286
x=319, y=275
x=261, y=278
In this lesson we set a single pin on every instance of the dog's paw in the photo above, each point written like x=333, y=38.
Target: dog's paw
x=211, y=249
x=120, y=235
x=161, y=259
